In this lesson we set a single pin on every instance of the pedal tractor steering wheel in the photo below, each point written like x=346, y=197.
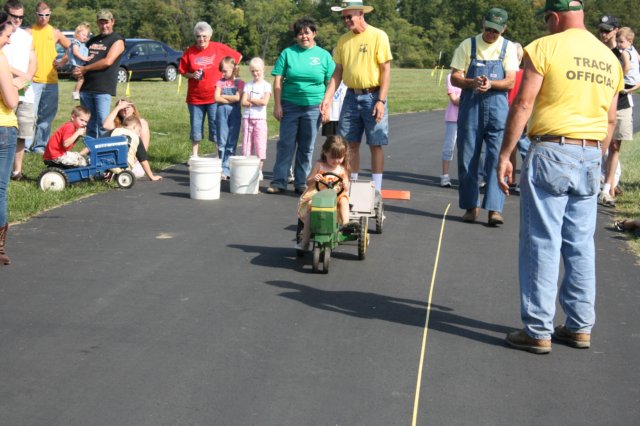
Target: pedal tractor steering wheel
x=330, y=185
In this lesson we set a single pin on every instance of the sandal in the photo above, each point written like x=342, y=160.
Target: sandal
x=618, y=225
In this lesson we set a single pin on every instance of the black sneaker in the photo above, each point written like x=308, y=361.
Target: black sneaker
x=350, y=228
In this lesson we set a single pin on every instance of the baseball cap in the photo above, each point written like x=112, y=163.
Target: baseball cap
x=561, y=6
x=496, y=18
x=608, y=23
x=105, y=14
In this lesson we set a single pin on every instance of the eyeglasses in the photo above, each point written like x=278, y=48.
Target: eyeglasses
x=491, y=30
x=43, y=15
x=16, y=16
x=348, y=17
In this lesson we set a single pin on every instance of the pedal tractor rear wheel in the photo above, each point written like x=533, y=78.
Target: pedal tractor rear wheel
x=379, y=217
x=52, y=179
x=363, y=238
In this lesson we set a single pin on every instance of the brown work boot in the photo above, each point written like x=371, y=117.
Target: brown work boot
x=4, y=259
x=521, y=340
x=471, y=215
x=575, y=340
x=495, y=218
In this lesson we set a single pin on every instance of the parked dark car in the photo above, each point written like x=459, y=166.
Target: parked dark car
x=147, y=59
x=144, y=58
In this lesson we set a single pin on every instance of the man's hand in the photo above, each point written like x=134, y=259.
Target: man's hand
x=505, y=168
x=378, y=111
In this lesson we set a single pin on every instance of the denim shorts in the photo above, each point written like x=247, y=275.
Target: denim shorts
x=356, y=119
x=196, y=121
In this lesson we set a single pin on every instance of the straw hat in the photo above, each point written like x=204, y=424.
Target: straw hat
x=352, y=5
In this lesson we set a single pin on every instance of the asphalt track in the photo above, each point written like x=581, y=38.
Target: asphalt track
x=144, y=307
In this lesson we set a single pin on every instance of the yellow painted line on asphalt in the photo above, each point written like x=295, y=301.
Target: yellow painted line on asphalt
x=416, y=403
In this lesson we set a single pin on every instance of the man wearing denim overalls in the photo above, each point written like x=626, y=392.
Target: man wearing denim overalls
x=484, y=67
x=568, y=95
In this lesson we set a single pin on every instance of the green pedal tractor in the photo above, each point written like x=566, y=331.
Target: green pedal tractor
x=326, y=233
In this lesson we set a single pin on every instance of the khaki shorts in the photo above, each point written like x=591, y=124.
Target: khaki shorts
x=624, y=125
x=26, y=120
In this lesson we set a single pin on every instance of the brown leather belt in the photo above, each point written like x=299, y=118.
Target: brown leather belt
x=365, y=91
x=568, y=141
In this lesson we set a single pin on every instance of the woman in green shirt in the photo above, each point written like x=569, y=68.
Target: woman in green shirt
x=301, y=72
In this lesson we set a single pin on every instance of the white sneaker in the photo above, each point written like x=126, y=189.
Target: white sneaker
x=445, y=181
x=606, y=200
x=75, y=96
x=301, y=246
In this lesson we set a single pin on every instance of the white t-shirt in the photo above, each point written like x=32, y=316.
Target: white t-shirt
x=17, y=53
x=255, y=90
x=336, y=103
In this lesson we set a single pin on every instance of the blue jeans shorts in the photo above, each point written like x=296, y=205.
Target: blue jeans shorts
x=356, y=119
x=196, y=121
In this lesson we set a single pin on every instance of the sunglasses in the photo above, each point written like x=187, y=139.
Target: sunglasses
x=601, y=31
x=348, y=17
x=43, y=15
x=16, y=16
x=491, y=30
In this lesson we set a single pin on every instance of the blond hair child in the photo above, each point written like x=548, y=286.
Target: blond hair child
x=78, y=54
x=255, y=98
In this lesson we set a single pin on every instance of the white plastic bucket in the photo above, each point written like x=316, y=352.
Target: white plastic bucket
x=204, y=174
x=245, y=174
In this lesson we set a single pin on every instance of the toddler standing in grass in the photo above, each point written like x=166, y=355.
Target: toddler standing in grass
x=78, y=54
x=227, y=95
x=254, y=119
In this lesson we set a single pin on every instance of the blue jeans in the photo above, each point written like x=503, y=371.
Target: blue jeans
x=558, y=207
x=228, y=122
x=298, y=130
x=356, y=119
x=196, y=121
x=100, y=105
x=481, y=121
x=8, y=139
x=45, y=106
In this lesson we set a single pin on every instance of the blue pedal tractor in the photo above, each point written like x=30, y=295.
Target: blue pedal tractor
x=105, y=154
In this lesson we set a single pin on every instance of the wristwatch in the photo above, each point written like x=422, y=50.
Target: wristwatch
x=384, y=101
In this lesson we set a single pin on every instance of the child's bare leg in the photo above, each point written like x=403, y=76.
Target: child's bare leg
x=194, y=148
x=343, y=209
x=78, y=84
x=306, y=230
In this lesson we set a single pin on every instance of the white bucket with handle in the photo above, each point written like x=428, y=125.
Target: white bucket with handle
x=245, y=174
x=204, y=175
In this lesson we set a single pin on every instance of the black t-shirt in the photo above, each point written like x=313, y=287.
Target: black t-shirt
x=104, y=81
x=623, y=98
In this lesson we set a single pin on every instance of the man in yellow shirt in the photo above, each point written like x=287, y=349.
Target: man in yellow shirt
x=484, y=67
x=568, y=95
x=45, y=80
x=363, y=62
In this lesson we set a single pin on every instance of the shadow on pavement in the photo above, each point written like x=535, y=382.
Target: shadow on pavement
x=402, y=311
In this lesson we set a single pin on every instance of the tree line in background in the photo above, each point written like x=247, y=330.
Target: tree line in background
x=423, y=33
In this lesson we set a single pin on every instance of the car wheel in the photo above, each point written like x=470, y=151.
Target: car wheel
x=170, y=73
x=123, y=75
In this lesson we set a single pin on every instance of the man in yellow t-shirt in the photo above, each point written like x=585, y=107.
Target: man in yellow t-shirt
x=484, y=67
x=568, y=95
x=45, y=80
x=363, y=62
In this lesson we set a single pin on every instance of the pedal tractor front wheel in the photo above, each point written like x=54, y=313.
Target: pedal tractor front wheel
x=53, y=179
x=321, y=255
x=125, y=179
